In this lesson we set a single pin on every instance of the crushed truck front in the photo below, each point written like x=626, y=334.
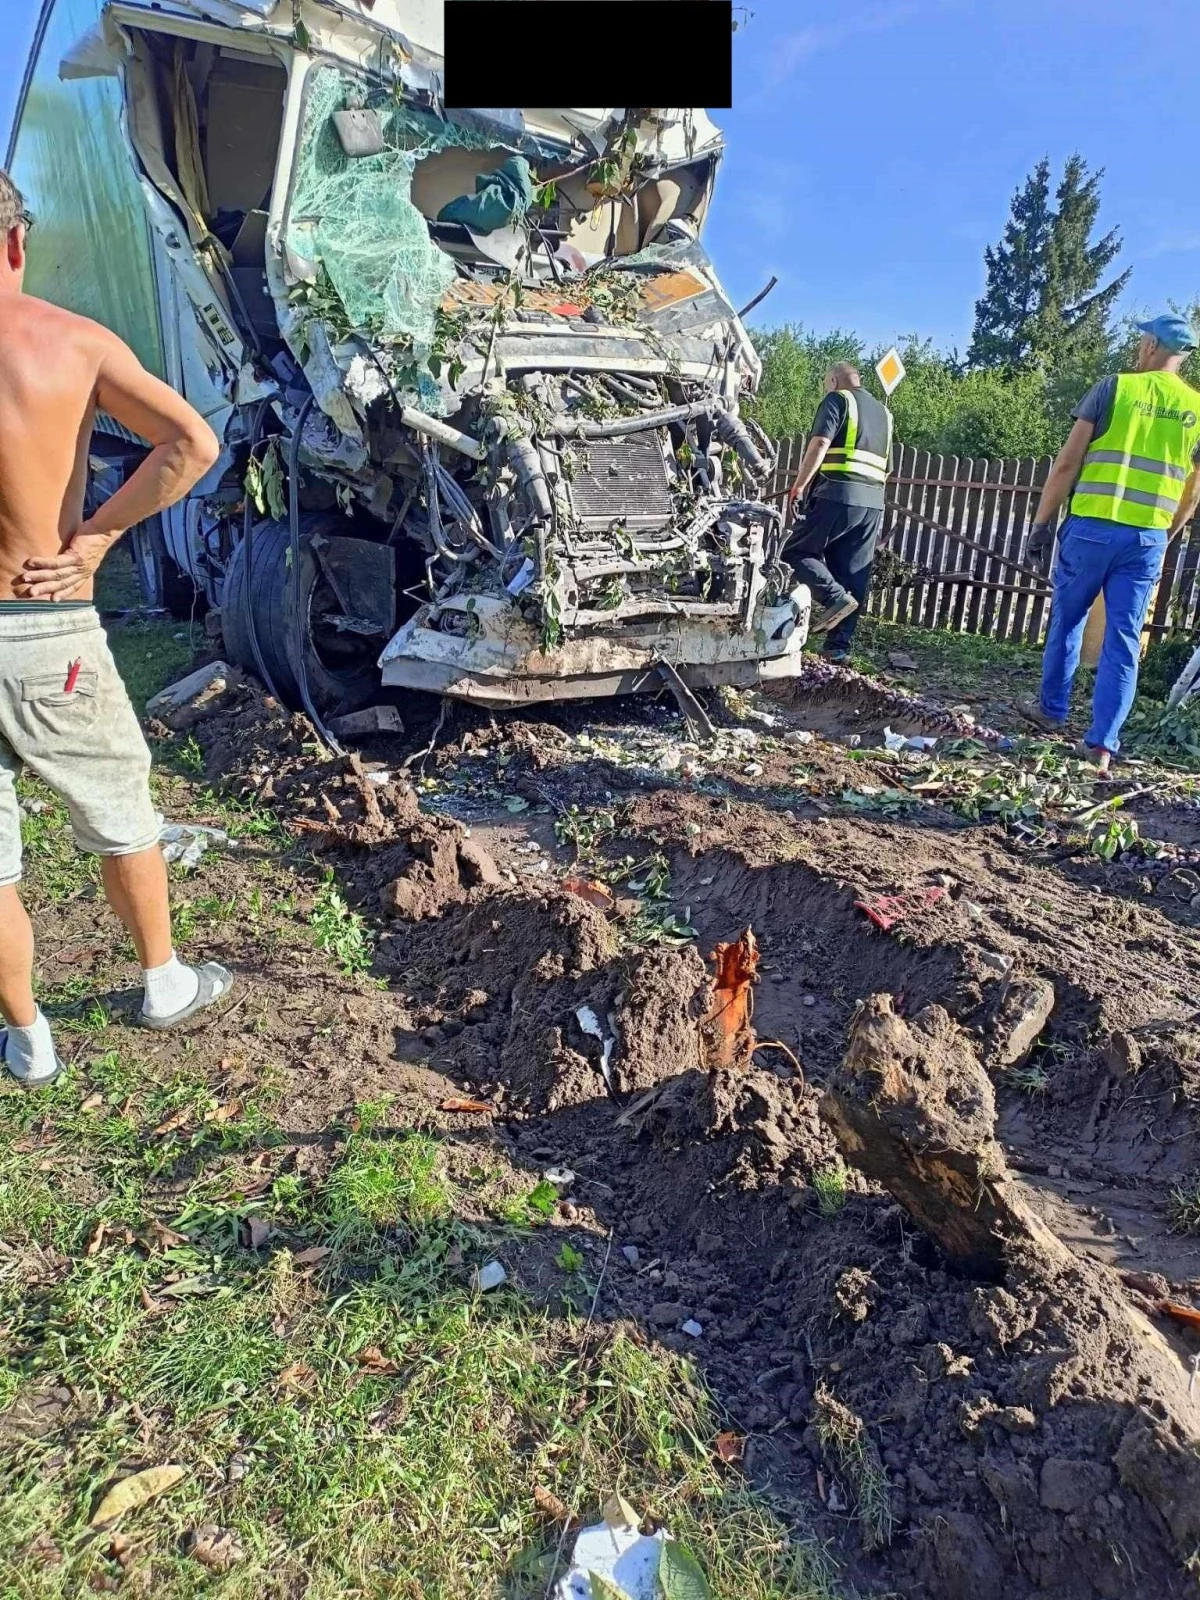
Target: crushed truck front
x=478, y=384
x=599, y=505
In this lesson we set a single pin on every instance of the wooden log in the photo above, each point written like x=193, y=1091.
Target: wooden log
x=913, y=1108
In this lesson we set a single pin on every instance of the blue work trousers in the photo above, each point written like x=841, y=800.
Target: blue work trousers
x=1123, y=563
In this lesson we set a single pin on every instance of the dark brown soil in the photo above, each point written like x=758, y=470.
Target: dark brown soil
x=1035, y=1440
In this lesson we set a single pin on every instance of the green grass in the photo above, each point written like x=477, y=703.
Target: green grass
x=852, y=1452
x=339, y=930
x=364, y=1420
x=52, y=864
x=829, y=1186
x=151, y=654
x=366, y=1423
x=966, y=660
x=1029, y=1079
x=1183, y=1207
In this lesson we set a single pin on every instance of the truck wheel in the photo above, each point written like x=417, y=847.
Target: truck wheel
x=340, y=667
x=163, y=583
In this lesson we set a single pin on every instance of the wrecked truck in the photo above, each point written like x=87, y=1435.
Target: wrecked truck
x=477, y=383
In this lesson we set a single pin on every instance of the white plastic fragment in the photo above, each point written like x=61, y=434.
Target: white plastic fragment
x=691, y=1327
x=561, y=1177
x=524, y=577
x=798, y=736
x=590, y=1023
x=490, y=1276
x=623, y=1555
x=912, y=741
x=186, y=842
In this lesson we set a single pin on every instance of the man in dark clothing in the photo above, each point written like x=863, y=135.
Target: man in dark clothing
x=833, y=549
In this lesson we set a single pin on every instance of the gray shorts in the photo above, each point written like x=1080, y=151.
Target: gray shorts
x=84, y=742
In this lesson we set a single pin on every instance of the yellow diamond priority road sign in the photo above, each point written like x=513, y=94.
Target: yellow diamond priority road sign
x=890, y=370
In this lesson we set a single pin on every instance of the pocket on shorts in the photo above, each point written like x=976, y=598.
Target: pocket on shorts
x=50, y=705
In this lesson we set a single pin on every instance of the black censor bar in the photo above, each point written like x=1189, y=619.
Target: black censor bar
x=594, y=52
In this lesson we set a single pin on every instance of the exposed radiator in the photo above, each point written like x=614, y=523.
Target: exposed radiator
x=622, y=480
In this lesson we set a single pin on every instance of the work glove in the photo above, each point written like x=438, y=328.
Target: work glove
x=1039, y=552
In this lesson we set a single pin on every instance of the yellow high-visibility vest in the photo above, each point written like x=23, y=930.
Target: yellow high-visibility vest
x=1136, y=470
x=848, y=459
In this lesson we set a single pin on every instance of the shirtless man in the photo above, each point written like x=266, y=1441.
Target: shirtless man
x=64, y=712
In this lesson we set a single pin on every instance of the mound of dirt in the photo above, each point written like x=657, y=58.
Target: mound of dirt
x=824, y=693
x=920, y=1351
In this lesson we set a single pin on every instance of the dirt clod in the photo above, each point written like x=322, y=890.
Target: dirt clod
x=1024, y=1013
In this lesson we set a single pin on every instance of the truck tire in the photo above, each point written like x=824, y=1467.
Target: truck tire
x=163, y=583
x=341, y=670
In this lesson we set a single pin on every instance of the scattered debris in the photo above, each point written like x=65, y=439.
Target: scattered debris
x=188, y=701
x=489, y=1276
x=912, y=741
x=591, y=1025
x=596, y=894
x=727, y=1032
x=1025, y=1011
x=886, y=910
x=368, y=723
x=613, y=1560
x=216, y=1548
x=187, y=842
x=1187, y=1315
x=135, y=1491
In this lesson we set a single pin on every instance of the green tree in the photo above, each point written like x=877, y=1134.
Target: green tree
x=794, y=366
x=1044, y=303
x=1073, y=321
x=939, y=406
x=1016, y=270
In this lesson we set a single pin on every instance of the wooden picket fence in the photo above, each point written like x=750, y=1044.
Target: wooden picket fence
x=954, y=537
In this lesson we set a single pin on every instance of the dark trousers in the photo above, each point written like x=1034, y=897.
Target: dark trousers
x=832, y=552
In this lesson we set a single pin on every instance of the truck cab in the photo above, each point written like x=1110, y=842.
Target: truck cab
x=477, y=382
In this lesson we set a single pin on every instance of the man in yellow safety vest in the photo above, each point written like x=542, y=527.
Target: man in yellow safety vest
x=846, y=461
x=1131, y=466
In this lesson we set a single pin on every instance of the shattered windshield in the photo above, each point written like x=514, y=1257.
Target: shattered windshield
x=385, y=243
x=353, y=228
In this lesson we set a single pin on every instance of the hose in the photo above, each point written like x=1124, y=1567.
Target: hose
x=732, y=431
x=527, y=465
x=297, y=619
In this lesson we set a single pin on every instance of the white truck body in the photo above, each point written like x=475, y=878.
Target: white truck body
x=506, y=443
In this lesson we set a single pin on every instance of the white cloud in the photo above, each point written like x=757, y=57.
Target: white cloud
x=796, y=48
x=1177, y=244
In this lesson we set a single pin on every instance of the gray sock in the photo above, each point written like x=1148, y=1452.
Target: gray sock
x=29, y=1052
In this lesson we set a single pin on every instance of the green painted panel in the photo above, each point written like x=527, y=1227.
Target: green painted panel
x=90, y=249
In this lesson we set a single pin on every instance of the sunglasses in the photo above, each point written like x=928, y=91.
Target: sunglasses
x=26, y=217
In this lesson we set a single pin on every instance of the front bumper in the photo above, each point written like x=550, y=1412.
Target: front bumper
x=500, y=659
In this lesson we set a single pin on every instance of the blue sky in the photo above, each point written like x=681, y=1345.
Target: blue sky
x=874, y=147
